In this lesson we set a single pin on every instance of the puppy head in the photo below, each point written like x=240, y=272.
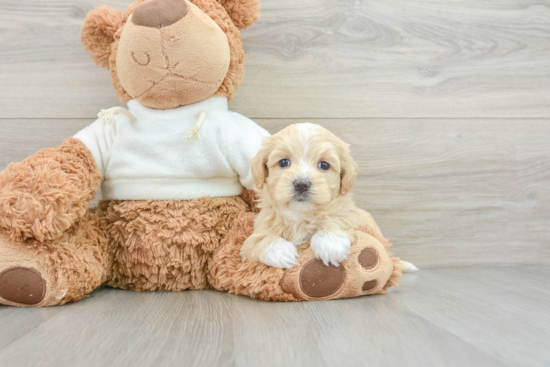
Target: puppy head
x=304, y=166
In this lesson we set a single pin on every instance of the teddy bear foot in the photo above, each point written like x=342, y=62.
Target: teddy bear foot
x=22, y=286
x=369, y=269
x=54, y=272
x=23, y=281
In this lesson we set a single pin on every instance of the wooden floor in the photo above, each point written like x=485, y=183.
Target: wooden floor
x=495, y=316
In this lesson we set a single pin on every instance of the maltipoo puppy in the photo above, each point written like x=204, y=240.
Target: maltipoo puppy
x=303, y=175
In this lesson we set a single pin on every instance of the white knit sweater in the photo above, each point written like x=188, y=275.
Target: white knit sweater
x=153, y=158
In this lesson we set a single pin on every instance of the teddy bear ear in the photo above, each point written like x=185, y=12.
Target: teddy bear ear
x=243, y=12
x=98, y=32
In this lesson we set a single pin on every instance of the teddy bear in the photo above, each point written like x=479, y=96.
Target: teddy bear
x=174, y=171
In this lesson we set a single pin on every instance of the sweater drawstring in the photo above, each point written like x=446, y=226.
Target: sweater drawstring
x=108, y=116
x=193, y=134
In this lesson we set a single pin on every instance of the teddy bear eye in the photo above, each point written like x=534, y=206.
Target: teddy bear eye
x=324, y=166
x=141, y=58
x=284, y=163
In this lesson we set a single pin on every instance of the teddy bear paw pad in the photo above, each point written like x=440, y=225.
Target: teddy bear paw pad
x=368, y=258
x=369, y=285
x=318, y=280
x=22, y=285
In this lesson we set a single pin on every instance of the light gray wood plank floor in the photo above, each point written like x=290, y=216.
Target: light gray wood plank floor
x=477, y=316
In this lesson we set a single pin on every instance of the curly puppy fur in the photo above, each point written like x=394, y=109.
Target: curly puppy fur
x=45, y=194
x=98, y=37
x=323, y=212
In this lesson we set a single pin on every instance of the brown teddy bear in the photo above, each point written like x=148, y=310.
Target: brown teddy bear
x=174, y=170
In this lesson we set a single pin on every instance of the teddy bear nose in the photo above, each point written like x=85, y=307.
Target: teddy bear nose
x=159, y=13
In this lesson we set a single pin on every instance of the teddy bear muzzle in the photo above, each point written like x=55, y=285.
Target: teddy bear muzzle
x=164, y=62
x=159, y=13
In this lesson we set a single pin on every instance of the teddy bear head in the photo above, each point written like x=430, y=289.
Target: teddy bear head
x=170, y=53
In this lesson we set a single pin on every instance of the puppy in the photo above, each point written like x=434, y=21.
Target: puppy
x=303, y=175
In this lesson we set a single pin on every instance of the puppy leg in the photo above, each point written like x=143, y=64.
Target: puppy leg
x=331, y=247
x=280, y=254
x=270, y=250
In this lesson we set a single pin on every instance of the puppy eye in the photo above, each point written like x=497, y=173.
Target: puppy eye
x=284, y=163
x=324, y=166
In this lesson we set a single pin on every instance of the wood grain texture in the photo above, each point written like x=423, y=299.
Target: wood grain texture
x=373, y=331
x=446, y=192
x=117, y=328
x=497, y=310
x=467, y=317
x=313, y=59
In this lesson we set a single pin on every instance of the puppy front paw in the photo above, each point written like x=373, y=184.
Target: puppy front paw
x=330, y=248
x=280, y=254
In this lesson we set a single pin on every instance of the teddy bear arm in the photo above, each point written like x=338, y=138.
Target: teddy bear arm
x=42, y=196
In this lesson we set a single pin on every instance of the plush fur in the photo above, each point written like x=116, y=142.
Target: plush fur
x=243, y=13
x=166, y=245
x=98, y=33
x=45, y=194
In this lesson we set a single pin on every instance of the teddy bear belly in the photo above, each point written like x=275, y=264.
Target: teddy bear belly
x=167, y=245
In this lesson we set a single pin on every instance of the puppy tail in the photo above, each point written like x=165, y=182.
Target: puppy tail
x=407, y=267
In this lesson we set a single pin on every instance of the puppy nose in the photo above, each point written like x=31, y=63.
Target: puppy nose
x=301, y=185
x=159, y=13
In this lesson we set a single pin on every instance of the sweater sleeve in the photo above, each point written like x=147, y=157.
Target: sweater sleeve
x=243, y=141
x=98, y=138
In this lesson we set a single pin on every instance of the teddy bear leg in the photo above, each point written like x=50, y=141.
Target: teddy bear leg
x=55, y=272
x=369, y=269
x=227, y=272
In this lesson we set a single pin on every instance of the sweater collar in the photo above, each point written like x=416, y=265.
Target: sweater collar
x=212, y=104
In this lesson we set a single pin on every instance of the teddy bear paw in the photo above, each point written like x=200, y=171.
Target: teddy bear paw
x=23, y=286
x=365, y=271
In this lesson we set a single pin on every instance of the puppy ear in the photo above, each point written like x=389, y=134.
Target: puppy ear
x=259, y=167
x=98, y=32
x=348, y=173
x=243, y=12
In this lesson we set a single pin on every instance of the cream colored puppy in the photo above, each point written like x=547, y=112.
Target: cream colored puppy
x=303, y=175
